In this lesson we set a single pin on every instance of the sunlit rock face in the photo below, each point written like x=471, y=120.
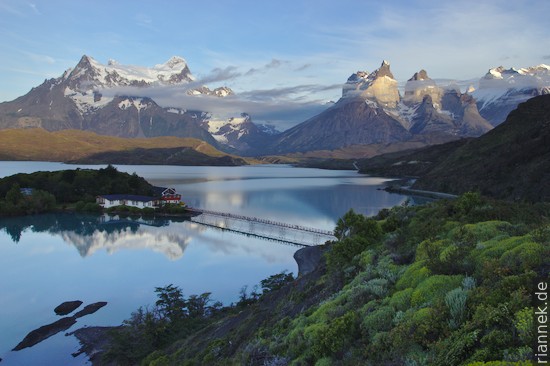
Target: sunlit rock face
x=378, y=86
x=419, y=86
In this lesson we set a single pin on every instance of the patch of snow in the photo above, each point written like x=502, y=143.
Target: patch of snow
x=221, y=139
x=446, y=113
x=85, y=100
x=403, y=113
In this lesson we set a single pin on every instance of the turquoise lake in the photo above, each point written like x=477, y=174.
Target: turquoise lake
x=48, y=259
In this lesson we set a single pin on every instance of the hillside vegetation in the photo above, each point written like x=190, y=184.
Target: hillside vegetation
x=449, y=283
x=72, y=145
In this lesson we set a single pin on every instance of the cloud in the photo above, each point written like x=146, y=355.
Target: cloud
x=278, y=106
x=273, y=64
x=303, y=67
x=217, y=75
x=286, y=92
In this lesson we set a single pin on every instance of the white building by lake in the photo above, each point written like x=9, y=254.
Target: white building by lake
x=111, y=200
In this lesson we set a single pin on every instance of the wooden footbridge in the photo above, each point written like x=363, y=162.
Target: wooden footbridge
x=267, y=229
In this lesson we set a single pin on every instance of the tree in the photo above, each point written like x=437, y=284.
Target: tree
x=276, y=281
x=14, y=195
x=171, y=303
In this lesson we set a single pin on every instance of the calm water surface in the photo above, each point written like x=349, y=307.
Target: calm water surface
x=48, y=259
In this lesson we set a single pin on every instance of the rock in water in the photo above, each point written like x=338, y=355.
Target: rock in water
x=44, y=332
x=67, y=307
x=90, y=309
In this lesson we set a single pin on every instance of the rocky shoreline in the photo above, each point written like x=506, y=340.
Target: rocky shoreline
x=94, y=341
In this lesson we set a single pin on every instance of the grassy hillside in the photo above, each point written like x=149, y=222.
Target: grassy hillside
x=450, y=283
x=66, y=145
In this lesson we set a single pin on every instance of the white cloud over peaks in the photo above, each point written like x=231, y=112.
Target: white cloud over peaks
x=282, y=106
x=276, y=106
x=217, y=75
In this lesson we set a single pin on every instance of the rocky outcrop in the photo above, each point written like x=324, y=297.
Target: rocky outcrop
x=419, y=86
x=308, y=259
x=379, y=86
x=67, y=307
x=441, y=111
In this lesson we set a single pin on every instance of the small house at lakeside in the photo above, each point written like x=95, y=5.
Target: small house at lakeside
x=167, y=195
x=111, y=200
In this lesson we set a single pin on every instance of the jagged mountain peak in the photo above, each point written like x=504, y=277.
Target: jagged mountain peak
x=421, y=75
x=420, y=85
x=174, y=71
x=175, y=61
x=383, y=70
x=379, y=86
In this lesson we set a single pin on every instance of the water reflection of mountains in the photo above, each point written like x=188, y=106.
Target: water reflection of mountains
x=89, y=233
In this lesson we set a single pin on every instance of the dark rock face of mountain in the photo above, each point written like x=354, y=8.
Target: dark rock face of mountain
x=348, y=122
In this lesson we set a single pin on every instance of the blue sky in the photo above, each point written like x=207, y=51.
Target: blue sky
x=300, y=50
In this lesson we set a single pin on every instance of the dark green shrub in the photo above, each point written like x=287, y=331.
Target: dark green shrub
x=378, y=320
x=434, y=288
x=401, y=300
x=413, y=275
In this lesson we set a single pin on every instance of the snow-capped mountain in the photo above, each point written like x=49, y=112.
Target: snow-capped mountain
x=501, y=90
x=84, y=84
x=239, y=133
x=372, y=111
x=112, y=99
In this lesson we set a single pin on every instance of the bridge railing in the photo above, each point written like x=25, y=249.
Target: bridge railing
x=264, y=221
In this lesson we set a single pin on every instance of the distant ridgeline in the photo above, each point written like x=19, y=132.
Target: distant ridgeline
x=41, y=191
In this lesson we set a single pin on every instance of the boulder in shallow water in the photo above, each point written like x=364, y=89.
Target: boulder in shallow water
x=44, y=332
x=67, y=307
x=90, y=309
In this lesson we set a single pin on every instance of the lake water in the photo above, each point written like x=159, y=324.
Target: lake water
x=48, y=259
